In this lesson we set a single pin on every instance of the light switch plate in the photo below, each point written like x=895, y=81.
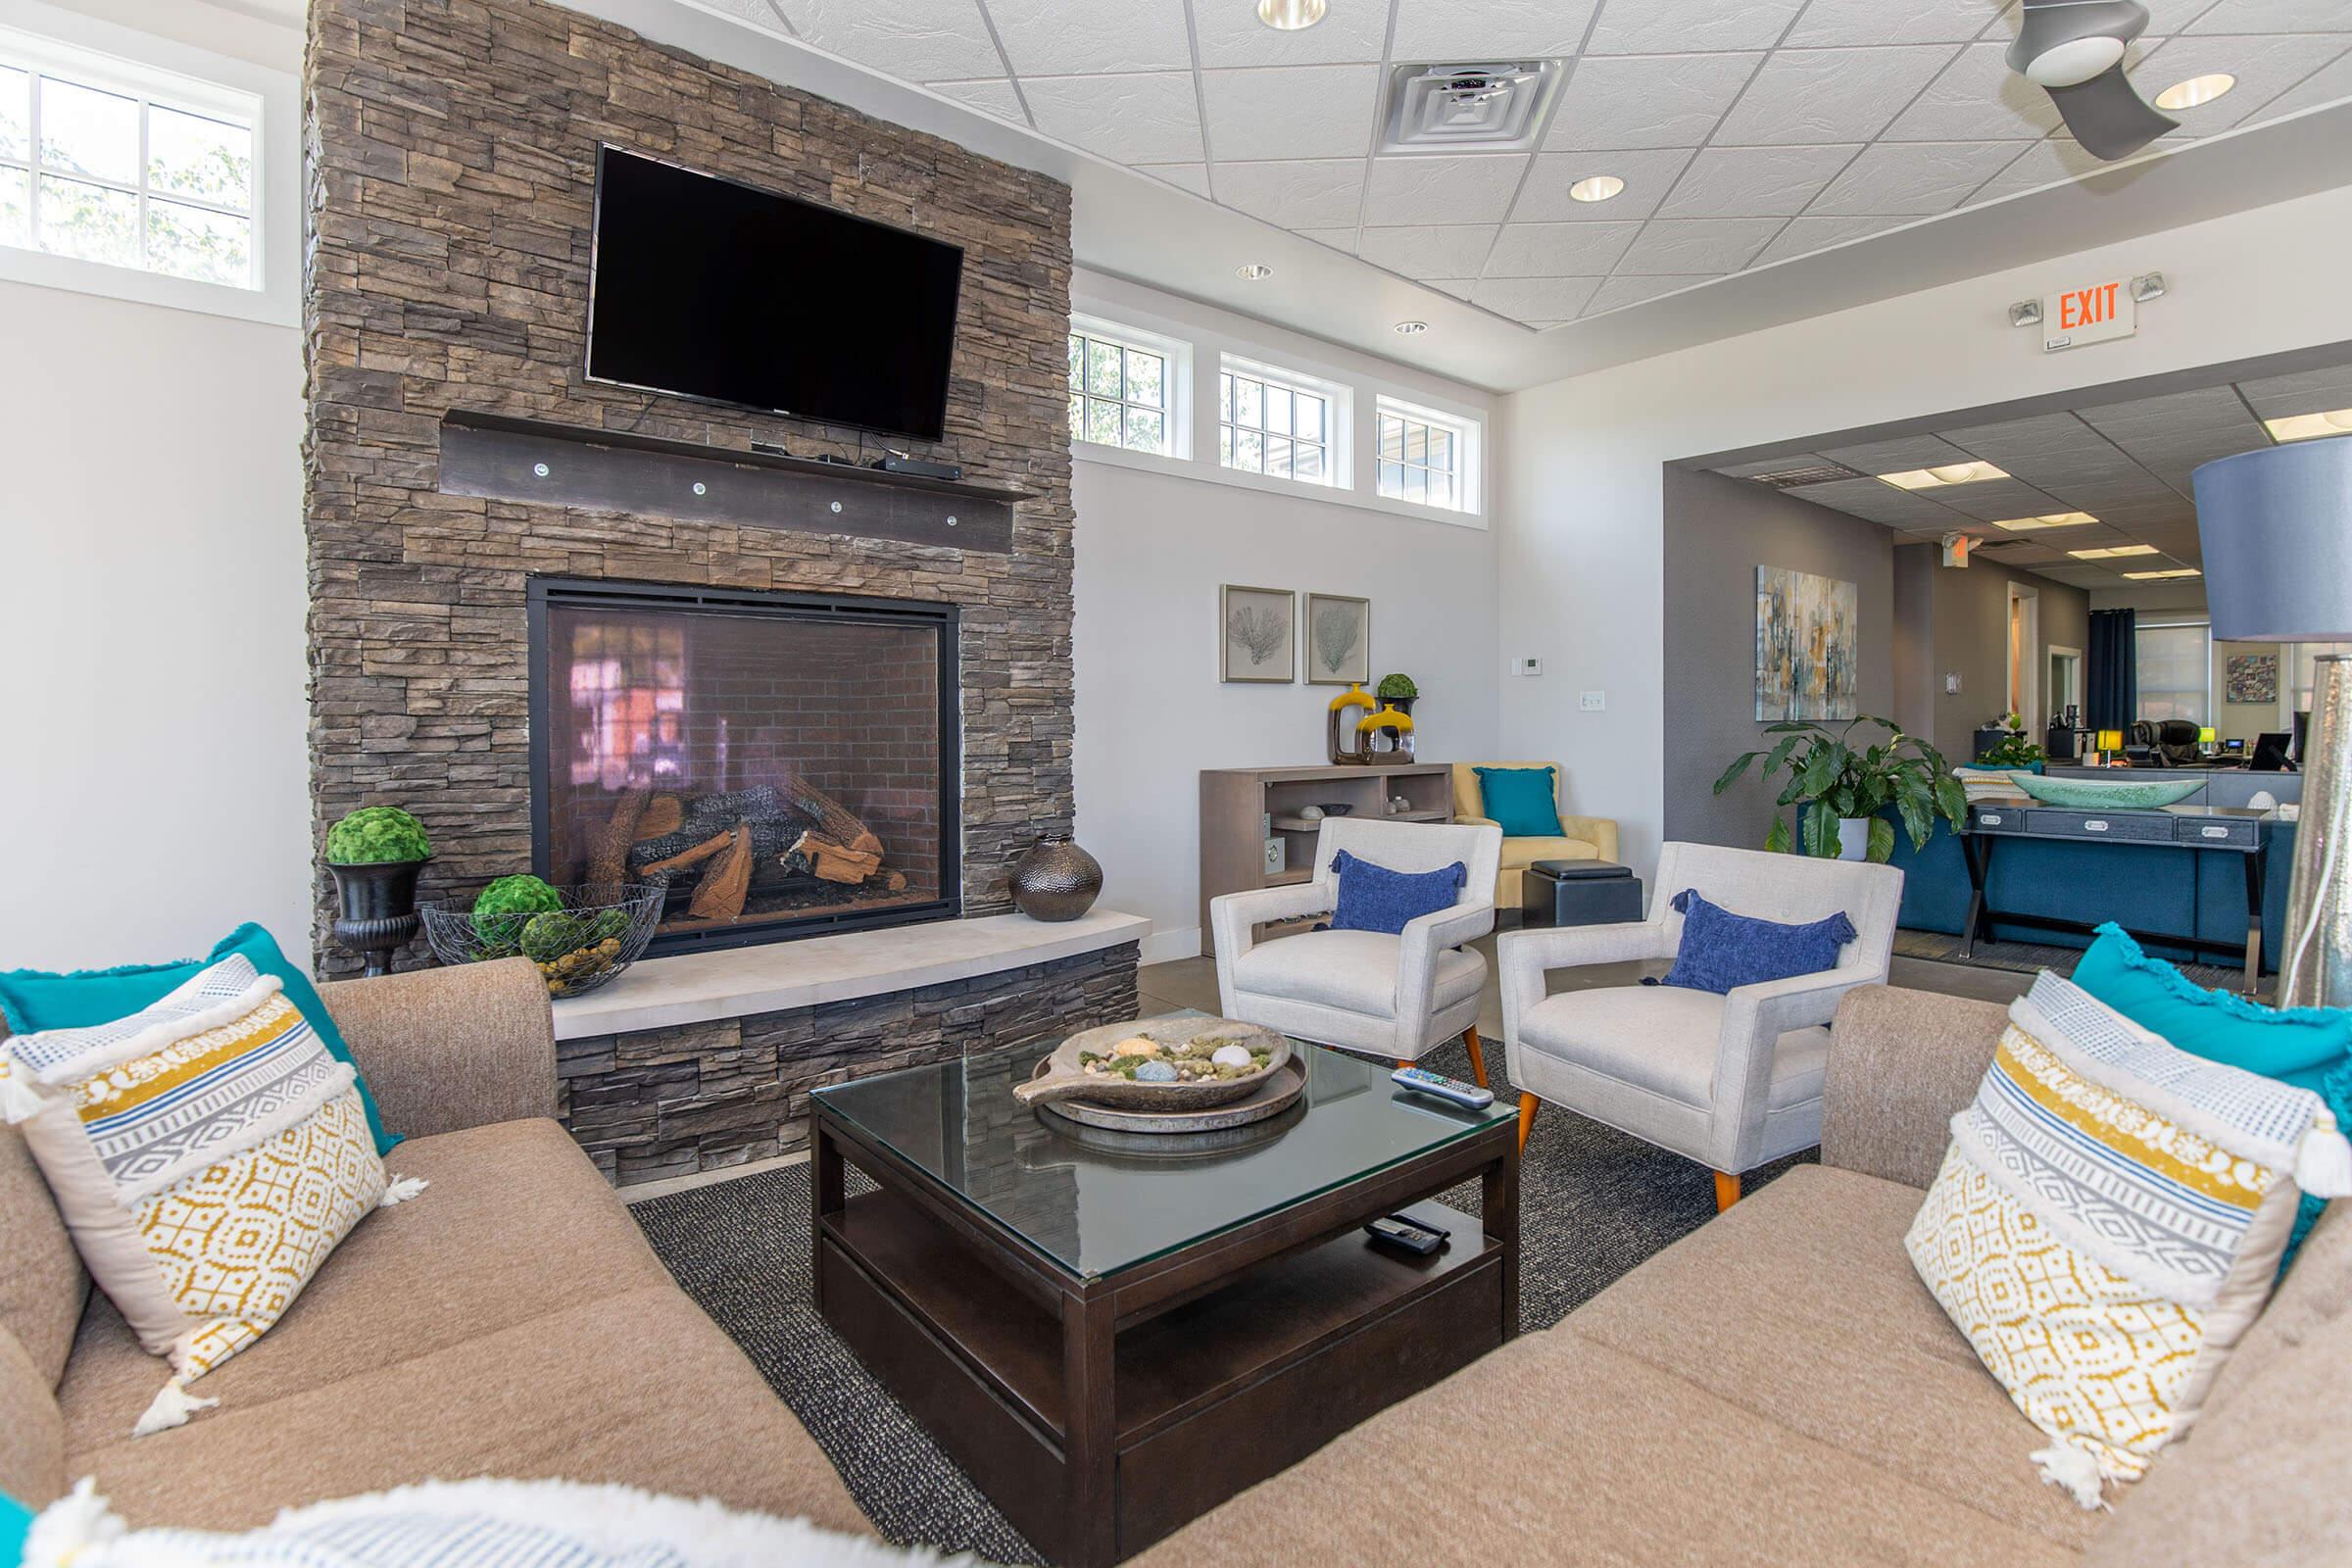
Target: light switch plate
x=1594, y=702
x=1531, y=666
x=1952, y=684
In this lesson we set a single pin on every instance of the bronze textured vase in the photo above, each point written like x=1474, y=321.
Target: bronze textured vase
x=1055, y=880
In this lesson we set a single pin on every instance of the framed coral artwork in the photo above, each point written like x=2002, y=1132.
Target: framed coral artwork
x=1339, y=640
x=1256, y=634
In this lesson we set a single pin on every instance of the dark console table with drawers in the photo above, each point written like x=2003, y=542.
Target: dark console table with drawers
x=2229, y=829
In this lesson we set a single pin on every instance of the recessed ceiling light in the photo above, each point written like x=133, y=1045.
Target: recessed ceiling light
x=1288, y=15
x=2185, y=94
x=2111, y=552
x=1595, y=188
x=1411, y=329
x=2048, y=519
x=2303, y=427
x=1943, y=473
x=1254, y=272
x=2151, y=576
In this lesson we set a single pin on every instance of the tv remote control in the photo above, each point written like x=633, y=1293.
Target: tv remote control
x=1421, y=1081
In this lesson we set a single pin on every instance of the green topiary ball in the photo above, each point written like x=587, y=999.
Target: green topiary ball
x=507, y=904
x=374, y=834
x=550, y=935
x=1394, y=688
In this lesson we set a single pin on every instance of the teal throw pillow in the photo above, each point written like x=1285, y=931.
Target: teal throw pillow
x=1524, y=800
x=15, y=1523
x=35, y=999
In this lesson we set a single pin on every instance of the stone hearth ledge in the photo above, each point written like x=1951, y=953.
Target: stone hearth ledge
x=737, y=982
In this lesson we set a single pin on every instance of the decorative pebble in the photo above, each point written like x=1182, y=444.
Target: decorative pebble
x=1232, y=1057
x=1156, y=1072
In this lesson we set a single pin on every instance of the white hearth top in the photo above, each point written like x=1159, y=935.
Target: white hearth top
x=735, y=982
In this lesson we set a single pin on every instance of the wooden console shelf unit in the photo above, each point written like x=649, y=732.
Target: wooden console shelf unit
x=1241, y=805
x=508, y=459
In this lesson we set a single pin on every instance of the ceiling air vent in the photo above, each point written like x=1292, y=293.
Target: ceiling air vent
x=1469, y=108
x=1804, y=473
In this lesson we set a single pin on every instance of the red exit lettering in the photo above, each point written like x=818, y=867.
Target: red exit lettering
x=2086, y=307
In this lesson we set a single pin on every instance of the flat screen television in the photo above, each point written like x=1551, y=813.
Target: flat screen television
x=711, y=289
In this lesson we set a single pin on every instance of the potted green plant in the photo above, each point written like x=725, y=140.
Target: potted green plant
x=1840, y=788
x=1397, y=691
x=2013, y=751
x=375, y=854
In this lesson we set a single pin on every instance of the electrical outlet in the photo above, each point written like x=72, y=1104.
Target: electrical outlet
x=1952, y=684
x=1531, y=666
x=1594, y=702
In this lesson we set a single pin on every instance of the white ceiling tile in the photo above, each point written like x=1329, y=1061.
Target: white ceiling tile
x=1296, y=193
x=1184, y=176
x=1559, y=250
x=2246, y=17
x=1144, y=118
x=1977, y=98
x=1649, y=173
x=1754, y=182
x=1338, y=239
x=1448, y=251
x=2327, y=85
x=2264, y=67
x=1414, y=191
x=1615, y=101
x=1535, y=299
x=1461, y=288
x=1051, y=38
x=1913, y=178
x=1230, y=34
x=990, y=97
x=1667, y=26
x=2046, y=163
x=2303, y=392
x=2165, y=18
x=1830, y=24
x=1619, y=292
x=1489, y=29
x=758, y=13
x=1821, y=96
x=915, y=40
x=1696, y=244
x=1805, y=236
x=1895, y=455
x=1291, y=110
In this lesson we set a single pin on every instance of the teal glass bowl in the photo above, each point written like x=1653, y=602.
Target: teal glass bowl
x=2099, y=794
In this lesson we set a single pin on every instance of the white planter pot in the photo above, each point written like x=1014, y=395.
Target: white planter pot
x=1853, y=838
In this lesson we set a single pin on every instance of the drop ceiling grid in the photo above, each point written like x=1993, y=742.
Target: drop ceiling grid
x=1848, y=117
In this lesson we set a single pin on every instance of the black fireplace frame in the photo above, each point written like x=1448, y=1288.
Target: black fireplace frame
x=544, y=592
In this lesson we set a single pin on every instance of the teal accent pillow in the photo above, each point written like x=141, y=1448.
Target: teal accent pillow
x=15, y=1523
x=1524, y=800
x=35, y=999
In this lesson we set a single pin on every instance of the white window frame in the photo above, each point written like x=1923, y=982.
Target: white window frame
x=1339, y=424
x=161, y=71
x=1469, y=442
x=1175, y=390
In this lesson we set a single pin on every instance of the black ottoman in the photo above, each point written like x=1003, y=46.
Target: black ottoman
x=1580, y=893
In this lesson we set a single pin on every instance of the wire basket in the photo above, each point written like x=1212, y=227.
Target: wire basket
x=601, y=930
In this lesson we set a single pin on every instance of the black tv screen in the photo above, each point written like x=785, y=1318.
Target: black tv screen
x=711, y=289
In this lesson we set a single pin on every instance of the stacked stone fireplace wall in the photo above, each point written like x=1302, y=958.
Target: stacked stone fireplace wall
x=452, y=155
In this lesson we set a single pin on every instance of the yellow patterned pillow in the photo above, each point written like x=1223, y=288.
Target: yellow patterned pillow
x=206, y=1153
x=2108, y=1222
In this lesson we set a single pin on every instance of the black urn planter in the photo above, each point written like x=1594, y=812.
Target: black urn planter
x=379, y=914
x=1055, y=880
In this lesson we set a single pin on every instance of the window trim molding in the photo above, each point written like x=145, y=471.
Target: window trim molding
x=1469, y=434
x=69, y=42
x=1175, y=393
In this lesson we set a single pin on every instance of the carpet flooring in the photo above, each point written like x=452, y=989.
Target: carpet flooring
x=1594, y=1203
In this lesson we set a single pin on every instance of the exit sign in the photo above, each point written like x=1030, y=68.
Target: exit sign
x=2076, y=316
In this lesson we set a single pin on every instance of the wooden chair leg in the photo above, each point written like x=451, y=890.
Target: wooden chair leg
x=1727, y=1191
x=1478, y=1057
x=1527, y=1118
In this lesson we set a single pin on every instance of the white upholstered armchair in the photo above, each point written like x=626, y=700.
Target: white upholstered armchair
x=1731, y=1081
x=1386, y=996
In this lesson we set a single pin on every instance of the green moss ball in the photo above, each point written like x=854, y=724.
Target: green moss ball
x=374, y=834
x=507, y=904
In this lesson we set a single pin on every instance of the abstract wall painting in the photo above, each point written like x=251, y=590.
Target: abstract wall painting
x=2252, y=677
x=1808, y=645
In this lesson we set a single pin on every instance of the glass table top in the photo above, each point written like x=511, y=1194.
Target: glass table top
x=1098, y=1201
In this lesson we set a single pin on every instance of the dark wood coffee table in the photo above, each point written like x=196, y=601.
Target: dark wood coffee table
x=1113, y=1333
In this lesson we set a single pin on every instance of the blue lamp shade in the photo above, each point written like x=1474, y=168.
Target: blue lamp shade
x=2277, y=530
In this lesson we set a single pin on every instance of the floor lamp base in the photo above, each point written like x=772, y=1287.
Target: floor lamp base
x=2316, y=965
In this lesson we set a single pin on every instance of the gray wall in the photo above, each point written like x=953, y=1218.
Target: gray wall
x=1970, y=631
x=1718, y=533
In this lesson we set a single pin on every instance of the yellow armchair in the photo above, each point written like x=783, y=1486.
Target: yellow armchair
x=1583, y=838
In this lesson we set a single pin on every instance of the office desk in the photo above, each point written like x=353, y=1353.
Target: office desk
x=2228, y=829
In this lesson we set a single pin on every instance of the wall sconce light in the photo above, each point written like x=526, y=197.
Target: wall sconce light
x=2026, y=313
x=2148, y=286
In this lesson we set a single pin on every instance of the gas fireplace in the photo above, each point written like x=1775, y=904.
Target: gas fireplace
x=782, y=764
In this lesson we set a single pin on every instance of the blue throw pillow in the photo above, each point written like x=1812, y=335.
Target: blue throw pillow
x=1720, y=950
x=16, y=1522
x=1525, y=800
x=35, y=999
x=1373, y=897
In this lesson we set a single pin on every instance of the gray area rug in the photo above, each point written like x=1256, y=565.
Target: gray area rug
x=1594, y=1203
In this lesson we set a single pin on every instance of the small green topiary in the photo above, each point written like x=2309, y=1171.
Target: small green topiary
x=550, y=935
x=375, y=834
x=507, y=904
x=1398, y=686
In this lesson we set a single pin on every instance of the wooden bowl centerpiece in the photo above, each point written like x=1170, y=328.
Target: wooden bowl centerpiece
x=1169, y=1063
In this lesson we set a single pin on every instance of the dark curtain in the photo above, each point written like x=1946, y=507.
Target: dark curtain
x=2110, y=680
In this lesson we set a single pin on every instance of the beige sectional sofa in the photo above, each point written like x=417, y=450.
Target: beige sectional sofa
x=1780, y=1388
x=511, y=1321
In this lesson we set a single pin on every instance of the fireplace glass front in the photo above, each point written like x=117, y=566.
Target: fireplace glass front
x=781, y=763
